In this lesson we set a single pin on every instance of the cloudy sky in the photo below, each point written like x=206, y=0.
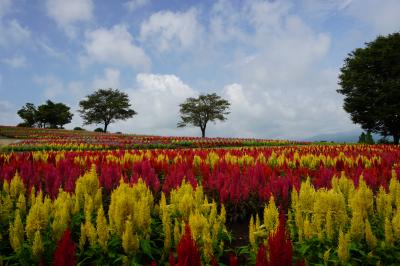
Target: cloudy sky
x=277, y=62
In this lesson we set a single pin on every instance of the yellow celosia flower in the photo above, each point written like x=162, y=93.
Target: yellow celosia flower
x=326, y=257
x=343, y=185
x=396, y=225
x=306, y=197
x=362, y=200
x=91, y=233
x=343, y=248
x=62, y=210
x=384, y=204
x=394, y=189
x=252, y=238
x=177, y=232
x=6, y=188
x=32, y=197
x=82, y=238
x=102, y=228
x=136, y=202
x=87, y=186
x=21, y=204
x=223, y=214
x=37, y=245
x=271, y=216
x=308, y=231
x=369, y=235
x=16, y=186
x=6, y=208
x=357, y=226
x=88, y=208
x=207, y=245
x=329, y=225
x=16, y=232
x=38, y=216
x=130, y=242
x=389, y=240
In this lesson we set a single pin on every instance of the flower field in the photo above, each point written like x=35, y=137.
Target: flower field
x=297, y=205
x=34, y=139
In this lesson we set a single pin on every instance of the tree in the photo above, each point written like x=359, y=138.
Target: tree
x=49, y=114
x=199, y=111
x=28, y=113
x=366, y=138
x=55, y=115
x=370, y=82
x=362, y=138
x=105, y=106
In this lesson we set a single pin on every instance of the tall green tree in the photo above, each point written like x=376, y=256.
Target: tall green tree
x=370, y=82
x=53, y=115
x=105, y=106
x=203, y=109
x=362, y=138
x=28, y=113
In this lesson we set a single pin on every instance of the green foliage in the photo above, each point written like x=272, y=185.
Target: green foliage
x=99, y=129
x=362, y=138
x=370, y=81
x=203, y=109
x=369, y=139
x=366, y=138
x=105, y=106
x=28, y=113
x=50, y=114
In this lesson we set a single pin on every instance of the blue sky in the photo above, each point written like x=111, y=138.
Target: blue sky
x=277, y=62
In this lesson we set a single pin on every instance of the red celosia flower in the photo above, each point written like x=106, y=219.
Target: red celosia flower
x=233, y=260
x=65, y=252
x=280, y=247
x=188, y=252
x=171, y=259
x=261, y=259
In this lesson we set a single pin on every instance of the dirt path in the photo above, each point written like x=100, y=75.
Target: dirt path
x=7, y=141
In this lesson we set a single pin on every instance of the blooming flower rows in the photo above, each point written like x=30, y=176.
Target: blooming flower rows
x=301, y=204
x=57, y=139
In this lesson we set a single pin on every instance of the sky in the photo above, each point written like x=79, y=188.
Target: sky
x=276, y=62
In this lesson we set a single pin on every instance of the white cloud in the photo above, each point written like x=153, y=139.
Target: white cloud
x=383, y=16
x=76, y=89
x=17, y=61
x=49, y=50
x=52, y=86
x=67, y=13
x=114, y=46
x=324, y=8
x=156, y=98
x=134, y=5
x=168, y=30
x=12, y=33
x=111, y=79
x=8, y=114
x=281, y=91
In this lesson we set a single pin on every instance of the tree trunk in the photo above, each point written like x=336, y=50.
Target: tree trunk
x=203, y=132
x=396, y=137
x=105, y=127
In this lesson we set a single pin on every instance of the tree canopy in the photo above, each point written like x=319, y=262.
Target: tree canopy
x=370, y=82
x=50, y=114
x=203, y=109
x=28, y=113
x=105, y=106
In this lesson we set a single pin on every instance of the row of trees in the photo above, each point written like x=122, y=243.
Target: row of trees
x=105, y=106
x=50, y=114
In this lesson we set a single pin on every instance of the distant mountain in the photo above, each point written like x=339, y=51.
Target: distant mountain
x=341, y=137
